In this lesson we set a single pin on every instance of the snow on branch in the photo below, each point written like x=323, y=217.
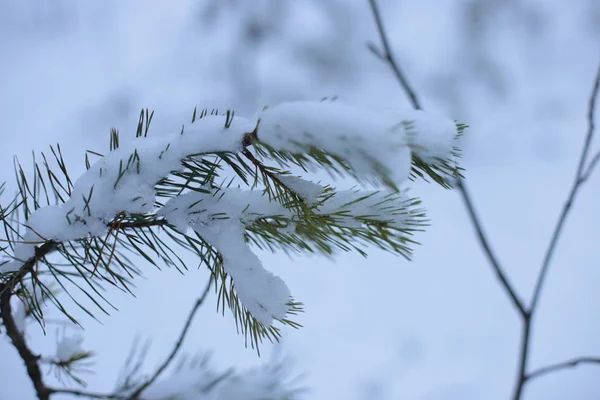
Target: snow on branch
x=156, y=192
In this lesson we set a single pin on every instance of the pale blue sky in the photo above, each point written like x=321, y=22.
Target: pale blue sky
x=435, y=328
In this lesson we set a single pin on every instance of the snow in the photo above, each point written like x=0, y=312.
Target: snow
x=307, y=190
x=219, y=218
x=368, y=140
x=69, y=347
x=431, y=137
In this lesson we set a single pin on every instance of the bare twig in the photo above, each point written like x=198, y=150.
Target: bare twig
x=562, y=365
x=177, y=346
x=583, y=173
x=388, y=56
x=580, y=177
x=506, y=285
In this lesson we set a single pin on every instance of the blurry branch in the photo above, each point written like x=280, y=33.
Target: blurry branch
x=135, y=395
x=562, y=365
x=582, y=175
x=487, y=249
x=145, y=385
x=387, y=56
x=18, y=340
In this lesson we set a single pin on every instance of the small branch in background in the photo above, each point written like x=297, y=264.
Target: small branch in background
x=562, y=365
x=388, y=56
x=177, y=346
x=583, y=173
x=580, y=177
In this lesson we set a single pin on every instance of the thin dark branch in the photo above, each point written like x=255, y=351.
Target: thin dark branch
x=508, y=288
x=562, y=365
x=177, y=346
x=579, y=179
x=388, y=56
x=31, y=360
x=590, y=167
x=523, y=358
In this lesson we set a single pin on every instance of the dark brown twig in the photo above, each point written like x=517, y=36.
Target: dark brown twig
x=177, y=346
x=562, y=365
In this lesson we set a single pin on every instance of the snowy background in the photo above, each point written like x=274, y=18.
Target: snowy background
x=518, y=72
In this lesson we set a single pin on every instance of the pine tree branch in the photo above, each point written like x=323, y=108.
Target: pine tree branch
x=580, y=178
x=176, y=348
x=388, y=57
x=31, y=360
x=483, y=241
x=562, y=365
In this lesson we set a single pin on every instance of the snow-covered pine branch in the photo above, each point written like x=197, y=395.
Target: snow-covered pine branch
x=219, y=186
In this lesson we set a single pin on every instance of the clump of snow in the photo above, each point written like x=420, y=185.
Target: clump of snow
x=372, y=142
x=308, y=191
x=430, y=137
x=69, y=347
x=367, y=140
x=220, y=219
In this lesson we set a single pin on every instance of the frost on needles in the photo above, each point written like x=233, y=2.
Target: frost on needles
x=222, y=186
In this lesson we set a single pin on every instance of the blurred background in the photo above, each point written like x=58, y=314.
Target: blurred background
x=519, y=72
